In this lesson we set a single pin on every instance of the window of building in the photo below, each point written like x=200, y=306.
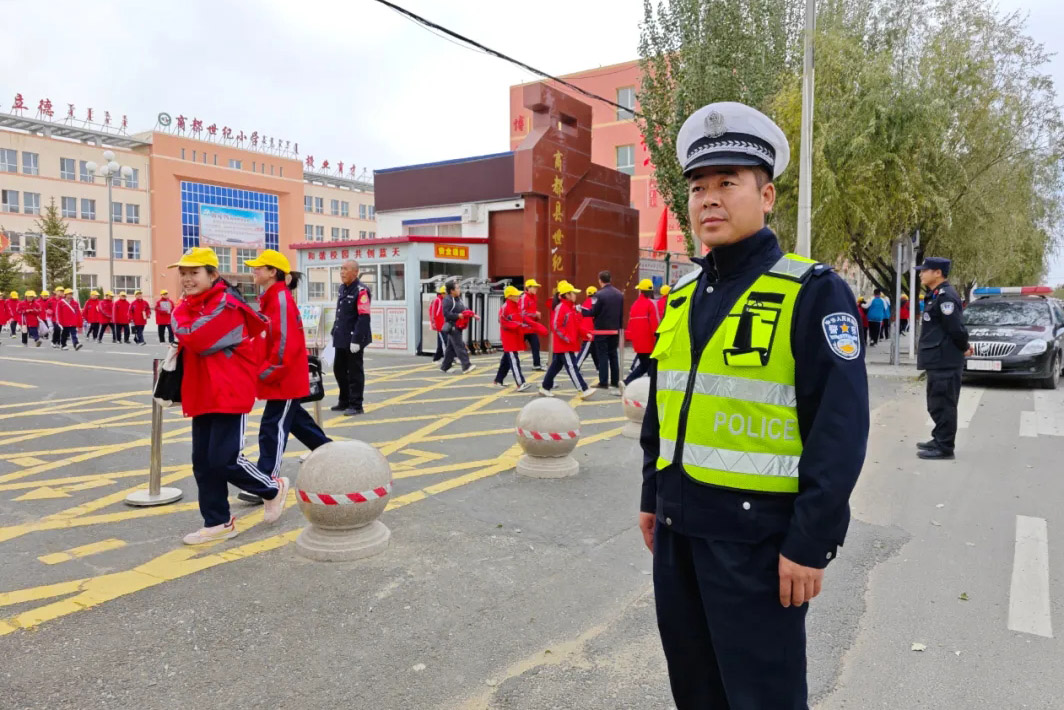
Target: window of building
x=271, y=169
x=319, y=205
x=117, y=248
x=8, y=200
x=215, y=158
x=254, y=166
x=8, y=160
x=308, y=203
x=116, y=211
x=308, y=232
x=31, y=202
x=88, y=249
x=31, y=163
x=234, y=163
x=281, y=170
x=345, y=209
x=133, y=214
x=16, y=242
x=334, y=208
x=362, y=234
x=128, y=284
x=133, y=180
x=345, y=233
x=626, y=159
x=451, y=229
x=316, y=290
x=319, y=232
x=88, y=209
x=194, y=158
x=361, y=211
x=225, y=262
x=66, y=168
x=372, y=212
x=132, y=249
x=83, y=171
x=69, y=206
x=89, y=281
x=182, y=154
x=393, y=282
x=626, y=98
x=204, y=157
x=335, y=234
x=243, y=255
x=372, y=235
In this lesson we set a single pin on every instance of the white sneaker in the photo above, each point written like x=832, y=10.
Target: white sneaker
x=615, y=391
x=275, y=506
x=586, y=394
x=467, y=370
x=496, y=383
x=545, y=393
x=524, y=387
x=63, y=348
x=212, y=534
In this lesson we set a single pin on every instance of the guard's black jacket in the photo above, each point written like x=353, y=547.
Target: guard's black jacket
x=832, y=403
x=943, y=337
x=350, y=327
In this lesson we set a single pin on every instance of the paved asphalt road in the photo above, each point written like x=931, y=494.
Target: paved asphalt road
x=497, y=591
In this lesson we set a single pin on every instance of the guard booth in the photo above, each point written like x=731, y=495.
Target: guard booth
x=483, y=297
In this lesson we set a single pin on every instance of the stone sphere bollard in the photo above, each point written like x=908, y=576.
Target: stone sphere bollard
x=634, y=401
x=547, y=430
x=342, y=488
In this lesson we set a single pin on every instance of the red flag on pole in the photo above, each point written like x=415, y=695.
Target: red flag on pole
x=661, y=236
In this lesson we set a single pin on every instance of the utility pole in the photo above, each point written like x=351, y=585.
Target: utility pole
x=44, y=261
x=805, y=156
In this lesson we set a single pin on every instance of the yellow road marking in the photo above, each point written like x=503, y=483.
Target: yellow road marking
x=63, y=363
x=89, y=477
x=18, y=385
x=70, y=400
x=83, y=551
x=95, y=424
x=447, y=468
x=27, y=461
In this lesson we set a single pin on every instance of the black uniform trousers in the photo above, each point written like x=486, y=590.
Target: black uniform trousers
x=69, y=333
x=729, y=643
x=93, y=332
x=57, y=333
x=350, y=373
x=567, y=362
x=533, y=344
x=609, y=365
x=217, y=461
x=441, y=345
x=164, y=330
x=943, y=391
x=510, y=362
x=640, y=367
x=121, y=332
x=588, y=349
x=456, y=348
x=103, y=331
x=138, y=334
x=280, y=417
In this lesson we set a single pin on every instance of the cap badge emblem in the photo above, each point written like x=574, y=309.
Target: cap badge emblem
x=715, y=127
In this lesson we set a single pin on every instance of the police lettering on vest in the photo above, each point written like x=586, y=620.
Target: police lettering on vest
x=765, y=427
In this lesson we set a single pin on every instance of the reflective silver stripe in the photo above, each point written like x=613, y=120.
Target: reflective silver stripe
x=230, y=339
x=791, y=268
x=734, y=387
x=733, y=461
x=283, y=305
x=688, y=278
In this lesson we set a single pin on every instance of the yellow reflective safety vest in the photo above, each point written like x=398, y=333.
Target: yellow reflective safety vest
x=728, y=414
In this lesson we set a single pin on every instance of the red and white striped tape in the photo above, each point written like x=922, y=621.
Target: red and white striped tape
x=544, y=435
x=634, y=403
x=344, y=498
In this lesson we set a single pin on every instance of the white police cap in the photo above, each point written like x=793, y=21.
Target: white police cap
x=730, y=133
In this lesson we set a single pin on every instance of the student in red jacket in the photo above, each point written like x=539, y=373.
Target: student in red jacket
x=164, y=308
x=30, y=313
x=121, y=318
x=107, y=317
x=589, y=325
x=216, y=331
x=68, y=312
x=91, y=313
x=13, y=305
x=284, y=378
x=5, y=313
x=663, y=302
x=530, y=311
x=567, y=338
x=514, y=327
x=642, y=326
x=436, y=322
x=139, y=313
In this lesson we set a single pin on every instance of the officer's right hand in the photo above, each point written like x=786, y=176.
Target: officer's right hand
x=355, y=347
x=646, y=526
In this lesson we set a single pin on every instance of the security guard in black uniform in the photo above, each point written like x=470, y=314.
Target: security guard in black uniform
x=943, y=347
x=351, y=334
x=754, y=433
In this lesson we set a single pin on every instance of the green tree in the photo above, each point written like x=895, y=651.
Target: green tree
x=10, y=278
x=60, y=267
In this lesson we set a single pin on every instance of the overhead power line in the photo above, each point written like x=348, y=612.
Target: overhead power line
x=473, y=44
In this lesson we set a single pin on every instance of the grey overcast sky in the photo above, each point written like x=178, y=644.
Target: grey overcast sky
x=349, y=80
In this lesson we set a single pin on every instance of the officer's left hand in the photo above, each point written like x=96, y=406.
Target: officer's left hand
x=969, y=352
x=798, y=584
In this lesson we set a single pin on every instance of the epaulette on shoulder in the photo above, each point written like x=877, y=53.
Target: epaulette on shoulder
x=688, y=278
x=797, y=268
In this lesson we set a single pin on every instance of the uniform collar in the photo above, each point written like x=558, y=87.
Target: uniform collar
x=750, y=253
x=271, y=291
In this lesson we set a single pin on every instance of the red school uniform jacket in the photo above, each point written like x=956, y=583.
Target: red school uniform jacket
x=30, y=313
x=514, y=326
x=642, y=324
x=91, y=311
x=436, y=313
x=215, y=331
x=121, y=312
x=107, y=311
x=285, y=374
x=139, y=311
x=68, y=313
x=164, y=309
x=567, y=332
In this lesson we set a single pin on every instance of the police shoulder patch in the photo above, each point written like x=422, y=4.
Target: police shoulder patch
x=927, y=316
x=843, y=335
x=947, y=308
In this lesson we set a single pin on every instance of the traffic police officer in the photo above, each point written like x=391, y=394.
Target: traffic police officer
x=351, y=334
x=754, y=433
x=943, y=346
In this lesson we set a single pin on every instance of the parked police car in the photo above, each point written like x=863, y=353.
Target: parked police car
x=1017, y=333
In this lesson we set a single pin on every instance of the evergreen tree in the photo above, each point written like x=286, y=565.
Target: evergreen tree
x=10, y=278
x=59, y=266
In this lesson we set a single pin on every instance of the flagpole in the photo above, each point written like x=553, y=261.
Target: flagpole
x=805, y=156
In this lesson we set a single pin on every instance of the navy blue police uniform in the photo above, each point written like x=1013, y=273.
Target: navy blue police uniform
x=352, y=325
x=943, y=343
x=728, y=640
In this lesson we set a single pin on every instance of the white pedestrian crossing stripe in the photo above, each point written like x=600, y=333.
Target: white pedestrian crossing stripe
x=1029, y=607
x=1047, y=419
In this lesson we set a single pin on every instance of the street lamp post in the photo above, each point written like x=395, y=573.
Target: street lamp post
x=109, y=171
